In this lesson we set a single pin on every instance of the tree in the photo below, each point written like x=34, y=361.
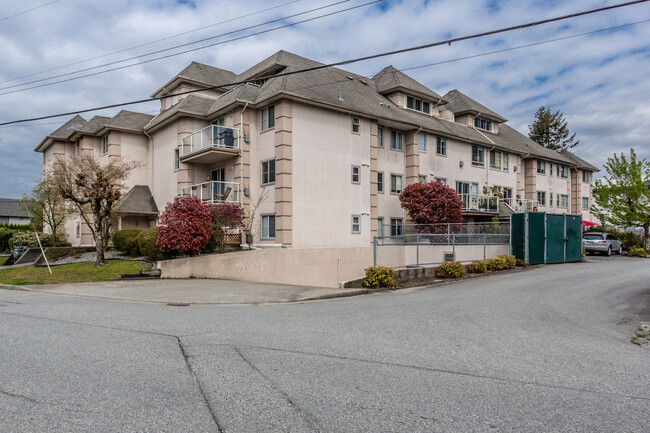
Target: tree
x=47, y=208
x=251, y=211
x=431, y=203
x=550, y=130
x=93, y=188
x=184, y=226
x=625, y=193
x=225, y=216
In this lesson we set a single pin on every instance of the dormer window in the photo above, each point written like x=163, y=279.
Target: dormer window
x=482, y=123
x=418, y=104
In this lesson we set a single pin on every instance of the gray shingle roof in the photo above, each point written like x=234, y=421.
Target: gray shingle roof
x=389, y=79
x=94, y=125
x=459, y=103
x=10, y=207
x=201, y=74
x=129, y=121
x=68, y=128
x=511, y=139
x=138, y=201
x=579, y=162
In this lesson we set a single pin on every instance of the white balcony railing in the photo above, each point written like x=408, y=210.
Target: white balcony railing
x=213, y=136
x=520, y=204
x=478, y=202
x=213, y=192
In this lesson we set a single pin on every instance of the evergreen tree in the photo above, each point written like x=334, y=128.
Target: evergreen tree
x=550, y=130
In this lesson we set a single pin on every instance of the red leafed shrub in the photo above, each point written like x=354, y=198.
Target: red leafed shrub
x=184, y=226
x=431, y=203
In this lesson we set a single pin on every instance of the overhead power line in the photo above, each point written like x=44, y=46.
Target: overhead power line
x=344, y=62
x=177, y=47
x=150, y=42
x=27, y=11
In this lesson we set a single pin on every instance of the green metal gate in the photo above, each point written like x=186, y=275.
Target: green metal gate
x=538, y=237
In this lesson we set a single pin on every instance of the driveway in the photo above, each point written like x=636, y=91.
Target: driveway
x=543, y=350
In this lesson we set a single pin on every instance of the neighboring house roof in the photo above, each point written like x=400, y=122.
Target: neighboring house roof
x=459, y=103
x=10, y=207
x=62, y=133
x=138, y=201
x=125, y=120
x=390, y=79
x=198, y=73
x=579, y=162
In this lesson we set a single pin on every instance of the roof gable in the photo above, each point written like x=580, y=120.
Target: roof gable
x=459, y=103
x=390, y=79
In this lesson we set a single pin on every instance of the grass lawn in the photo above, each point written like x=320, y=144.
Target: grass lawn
x=73, y=273
x=2, y=260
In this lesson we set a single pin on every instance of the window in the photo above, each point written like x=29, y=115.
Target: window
x=442, y=180
x=356, y=224
x=478, y=156
x=77, y=229
x=105, y=144
x=550, y=168
x=541, y=198
x=585, y=176
x=557, y=168
x=441, y=146
x=481, y=123
x=380, y=227
x=550, y=199
x=396, y=140
x=268, y=118
x=564, y=172
x=422, y=142
x=380, y=137
x=422, y=178
x=558, y=200
x=268, y=172
x=395, y=184
x=176, y=159
x=418, y=104
x=380, y=182
x=356, y=174
x=396, y=227
x=268, y=226
x=541, y=167
x=585, y=203
x=564, y=200
x=356, y=125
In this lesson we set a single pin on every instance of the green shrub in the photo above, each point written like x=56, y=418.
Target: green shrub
x=147, y=244
x=28, y=239
x=126, y=241
x=637, y=252
x=450, y=270
x=5, y=235
x=500, y=263
x=379, y=276
x=520, y=263
x=477, y=267
x=511, y=260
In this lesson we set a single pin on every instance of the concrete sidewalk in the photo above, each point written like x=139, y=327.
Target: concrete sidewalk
x=194, y=291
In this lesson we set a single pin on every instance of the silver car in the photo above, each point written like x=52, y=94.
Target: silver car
x=603, y=243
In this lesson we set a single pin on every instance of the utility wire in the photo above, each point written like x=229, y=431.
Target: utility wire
x=168, y=49
x=28, y=10
x=150, y=42
x=344, y=62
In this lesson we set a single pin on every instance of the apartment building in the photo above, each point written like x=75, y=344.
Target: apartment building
x=331, y=150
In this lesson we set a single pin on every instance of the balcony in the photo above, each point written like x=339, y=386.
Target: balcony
x=210, y=145
x=479, y=203
x=519, y=204
x=213, y=192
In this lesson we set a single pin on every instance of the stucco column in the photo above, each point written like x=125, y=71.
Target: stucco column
x=185, y=173
x=115, y=145
x=283, y=173
x=411, y=158
x=374, y=168
x=530, y=179
x=576, y=191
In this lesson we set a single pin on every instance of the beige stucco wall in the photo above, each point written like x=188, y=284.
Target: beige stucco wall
x=320, y=267
x=551, y=183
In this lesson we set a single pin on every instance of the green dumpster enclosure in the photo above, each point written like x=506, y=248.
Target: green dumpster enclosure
x=539, y=237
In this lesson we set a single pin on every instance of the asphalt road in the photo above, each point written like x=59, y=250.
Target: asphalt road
x=545, y=349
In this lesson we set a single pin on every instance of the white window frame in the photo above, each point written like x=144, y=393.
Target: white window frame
x=270, y=174
x=396, y=140
x=541, y=198
x=541, y=167
x=417, y=104
x=482, y=123
x=441, y=144
x=422, y=142
x=585, y=200
x=394, y=189
x=422, y=178
x=267, y=234
x=380, y=137
x=177, y=159
x=480, y=151
x=104, y=144
x=356, y=125
x=442, y=180
x=585, y=176
x=564, y=201
x=356, y=171
x=267, y=118
x=380, y=182
x=356, y=224
x=380, y=227
x=396, y=226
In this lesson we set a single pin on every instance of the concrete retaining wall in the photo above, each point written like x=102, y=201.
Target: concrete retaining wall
x=400, y=255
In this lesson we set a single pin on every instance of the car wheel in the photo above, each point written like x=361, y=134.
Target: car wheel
x=620, y=250
x=609, y=251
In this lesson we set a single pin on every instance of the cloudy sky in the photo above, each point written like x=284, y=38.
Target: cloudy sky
x=593, y=68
